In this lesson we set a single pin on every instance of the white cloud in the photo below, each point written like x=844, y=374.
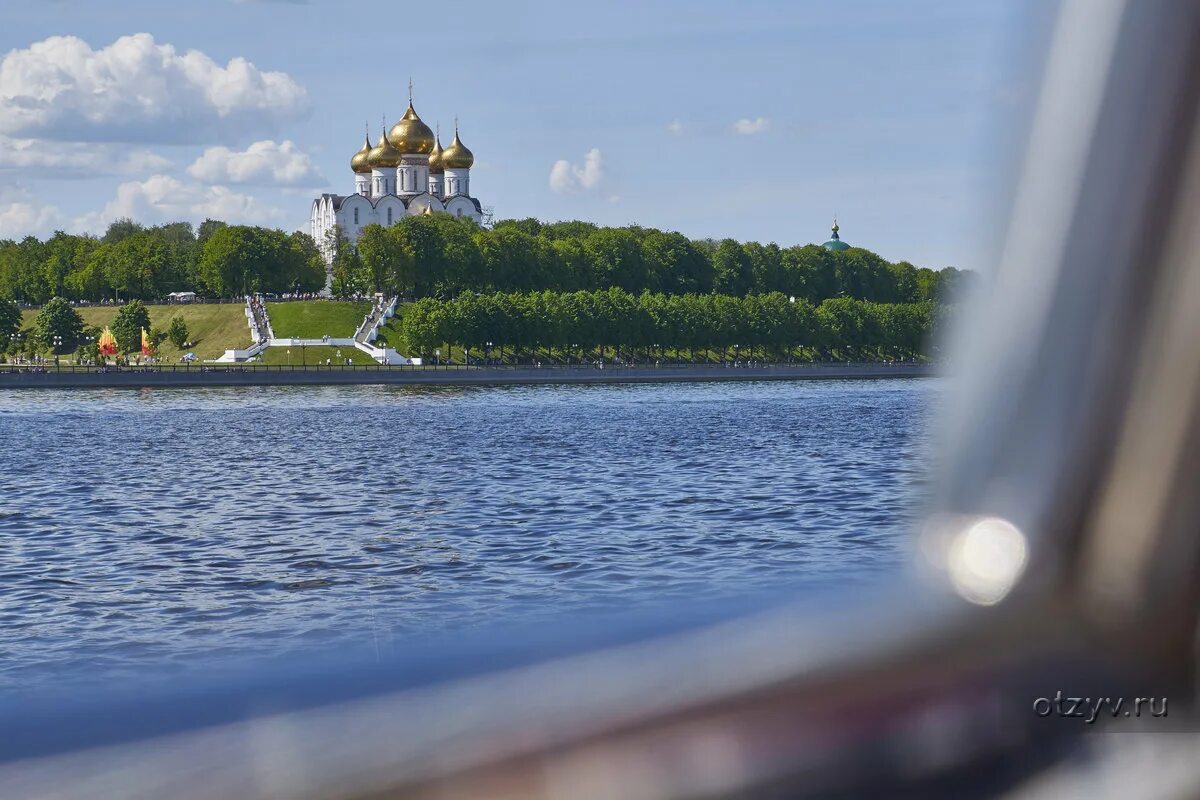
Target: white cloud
x=21, y=215
x=162, y=198
x=676, y=127
x=138, y=90
x=263, y=163
x=566, y=177
x=751, y=126
x=18, y=220
x=561, y=178
x=76, y=159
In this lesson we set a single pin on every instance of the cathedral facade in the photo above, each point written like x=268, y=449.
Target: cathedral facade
x=405, y=172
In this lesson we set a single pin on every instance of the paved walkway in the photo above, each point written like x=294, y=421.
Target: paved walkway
x=262, y=322
x=364, y=331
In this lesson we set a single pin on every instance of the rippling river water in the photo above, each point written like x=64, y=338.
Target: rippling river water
x=168, y=527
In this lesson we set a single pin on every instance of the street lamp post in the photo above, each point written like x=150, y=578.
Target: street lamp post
x=57, y=344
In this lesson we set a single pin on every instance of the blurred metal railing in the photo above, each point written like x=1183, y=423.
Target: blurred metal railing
x=1061, y=553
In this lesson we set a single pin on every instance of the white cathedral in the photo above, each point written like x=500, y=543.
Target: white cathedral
x=407, y=172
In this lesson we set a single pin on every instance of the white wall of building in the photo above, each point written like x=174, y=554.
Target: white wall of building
x=389, y=210
x=383, y=181
x=460, y=206
x=457, y=181
x=412, y=176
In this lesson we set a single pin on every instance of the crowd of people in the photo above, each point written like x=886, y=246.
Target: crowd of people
x=377, y=307
x=282, y=296
x=262, y=323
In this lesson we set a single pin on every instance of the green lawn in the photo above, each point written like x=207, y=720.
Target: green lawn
x=313, y=355
x=389, y=335
x=213, y=328
x=312, y=319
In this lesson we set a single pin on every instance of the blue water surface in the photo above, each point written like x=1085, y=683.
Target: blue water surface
x=169, y=528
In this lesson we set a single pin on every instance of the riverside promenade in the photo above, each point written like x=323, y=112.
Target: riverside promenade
x=262, y=375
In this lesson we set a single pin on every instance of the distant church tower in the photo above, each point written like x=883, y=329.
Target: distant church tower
x=383, y=158
x=436, y=170
x=362, y=168
x=415, y=141
x=835, y=242
x=457, y=161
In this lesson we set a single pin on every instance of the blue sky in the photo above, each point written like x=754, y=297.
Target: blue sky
x=756, y=120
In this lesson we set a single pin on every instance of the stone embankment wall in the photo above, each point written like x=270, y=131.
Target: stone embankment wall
x=245, y=376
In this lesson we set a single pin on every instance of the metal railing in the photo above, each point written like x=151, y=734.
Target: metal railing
x=237, y=368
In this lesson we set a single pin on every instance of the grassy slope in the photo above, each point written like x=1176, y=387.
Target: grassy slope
x=213, y=328
x=314, y=355
x=389, y=335
x=314, y=319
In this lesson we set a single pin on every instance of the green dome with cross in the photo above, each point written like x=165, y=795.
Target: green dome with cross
x=835, y=242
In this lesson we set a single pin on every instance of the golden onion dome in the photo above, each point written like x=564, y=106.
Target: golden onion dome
x=411, y=136
x=435, y=158
x=383, y=154
x=457, y=156
x=359, y=162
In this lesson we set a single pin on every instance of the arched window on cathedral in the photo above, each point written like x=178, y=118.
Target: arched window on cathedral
x=389, y=216
x=356, y=216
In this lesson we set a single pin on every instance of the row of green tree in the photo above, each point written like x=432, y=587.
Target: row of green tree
x=571, y=324
x=442, y=256
x=58, y=328
x=132, y=262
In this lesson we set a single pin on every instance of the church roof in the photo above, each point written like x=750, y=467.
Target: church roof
x=410, y=135
x=359, y=163
x=334, y=199
x=835, y=242
x=457, y=156
x=383, y=154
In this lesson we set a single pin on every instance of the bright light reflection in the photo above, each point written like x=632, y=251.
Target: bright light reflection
x=986, y=560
